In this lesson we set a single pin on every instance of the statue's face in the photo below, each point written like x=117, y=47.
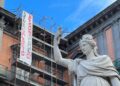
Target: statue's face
x=85, y=47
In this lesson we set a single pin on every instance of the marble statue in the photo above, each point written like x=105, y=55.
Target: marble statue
x=95, y=70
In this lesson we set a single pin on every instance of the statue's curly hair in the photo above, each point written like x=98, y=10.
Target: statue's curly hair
x=89, y=39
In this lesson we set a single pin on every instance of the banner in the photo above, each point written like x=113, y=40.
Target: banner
x=2, y=3
x=26, y=38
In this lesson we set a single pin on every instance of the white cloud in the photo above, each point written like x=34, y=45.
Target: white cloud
x=82, y=6
x=85, y=6
x=85, y=10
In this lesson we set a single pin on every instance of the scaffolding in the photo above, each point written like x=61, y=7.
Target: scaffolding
x=44, y=71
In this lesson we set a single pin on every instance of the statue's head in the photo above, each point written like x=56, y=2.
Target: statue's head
x=87, y=44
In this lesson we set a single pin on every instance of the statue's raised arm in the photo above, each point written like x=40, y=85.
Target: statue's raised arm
x=57, y=54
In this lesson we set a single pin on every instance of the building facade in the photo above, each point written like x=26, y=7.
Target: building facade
x=44, y=71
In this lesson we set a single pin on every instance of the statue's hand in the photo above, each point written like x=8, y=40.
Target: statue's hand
x=58, y=35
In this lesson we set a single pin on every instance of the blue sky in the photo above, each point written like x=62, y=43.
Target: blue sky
x=69, y=14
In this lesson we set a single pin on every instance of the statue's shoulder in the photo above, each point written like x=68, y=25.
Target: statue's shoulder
x=104, y=57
